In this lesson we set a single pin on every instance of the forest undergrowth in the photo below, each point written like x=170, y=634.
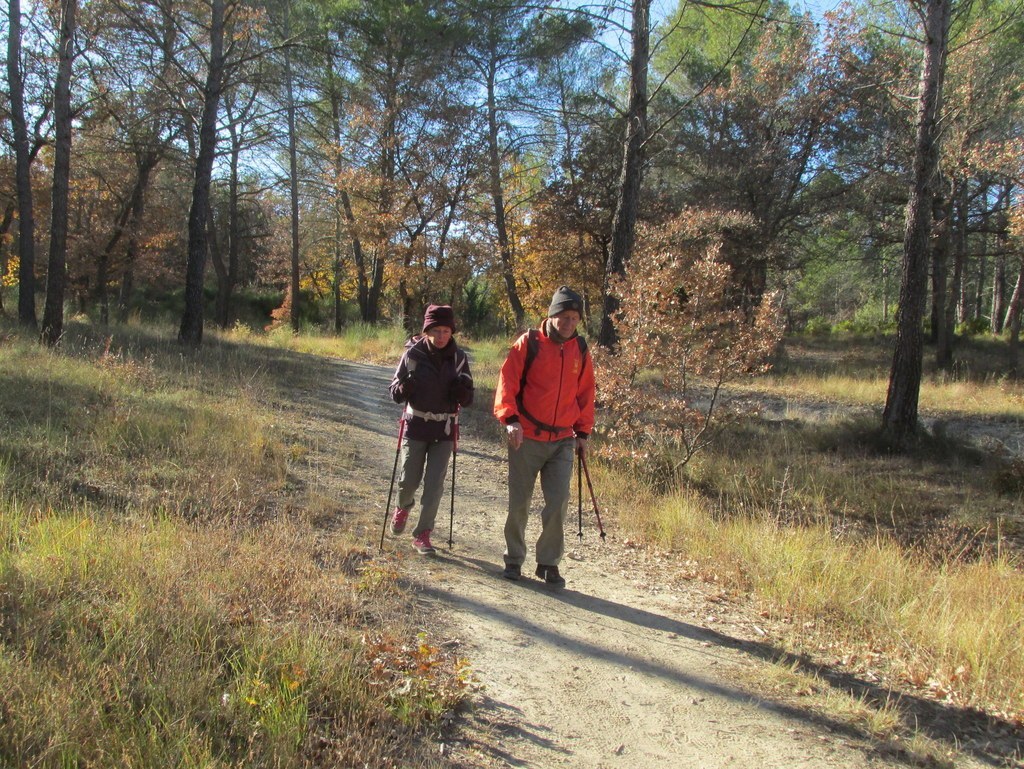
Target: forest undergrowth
x=165, y=601
x=903, y=566
x=126, y=465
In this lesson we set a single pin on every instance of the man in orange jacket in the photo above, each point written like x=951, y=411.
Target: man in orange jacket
x=545, y=400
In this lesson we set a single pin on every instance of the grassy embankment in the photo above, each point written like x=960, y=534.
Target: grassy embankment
x=907, y=568
x=162, y=604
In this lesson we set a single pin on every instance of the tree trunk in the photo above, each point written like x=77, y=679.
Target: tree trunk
x=338, y=265
x=220, y=270
x=979, y=292
x=999, y=285
x=293, y=170
x=191, y=331
x=134, y=229
x=146, y=161
x=941, y=232
x=498, y=202
x=999, y=268
x=962, y=310
x=631, y=175
x=1013, y=312
x=339, y=168
x=5, y=227
x=899, y=418
x=23, y=178
x=227, y=270
x=362, y=279
x=56, y=272
x=957, y=299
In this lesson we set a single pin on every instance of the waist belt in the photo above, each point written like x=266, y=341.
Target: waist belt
x=430, y=416
x=541, y=426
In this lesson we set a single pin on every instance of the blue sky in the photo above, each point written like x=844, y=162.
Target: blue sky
x=818, y=7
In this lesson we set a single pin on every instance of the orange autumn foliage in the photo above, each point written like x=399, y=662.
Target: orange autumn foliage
x=684, y=333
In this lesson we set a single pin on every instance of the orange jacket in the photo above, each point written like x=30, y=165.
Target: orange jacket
x=559, y=390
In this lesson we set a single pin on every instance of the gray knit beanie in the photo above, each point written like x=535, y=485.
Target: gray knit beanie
x=565, y=299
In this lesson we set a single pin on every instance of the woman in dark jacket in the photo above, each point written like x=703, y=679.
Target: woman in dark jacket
x=434, y=381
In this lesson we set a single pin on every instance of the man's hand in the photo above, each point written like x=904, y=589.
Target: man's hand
x=581, y=445
x=515, y=435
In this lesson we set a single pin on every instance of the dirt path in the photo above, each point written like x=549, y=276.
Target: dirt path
x=626, y=667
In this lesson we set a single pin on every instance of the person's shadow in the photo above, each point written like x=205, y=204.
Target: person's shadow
x=990, y=740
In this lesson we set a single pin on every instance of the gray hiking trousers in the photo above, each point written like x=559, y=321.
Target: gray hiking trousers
x=425, y=461
x=553, y=461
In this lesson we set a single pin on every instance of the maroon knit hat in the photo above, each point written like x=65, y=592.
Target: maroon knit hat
x=438, y=315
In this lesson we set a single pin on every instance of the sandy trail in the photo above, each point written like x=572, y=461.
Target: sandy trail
x=625, y=667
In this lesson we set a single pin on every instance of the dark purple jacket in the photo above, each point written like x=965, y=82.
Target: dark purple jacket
x=434, y=383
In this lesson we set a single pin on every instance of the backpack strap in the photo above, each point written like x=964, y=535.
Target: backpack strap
x=532, y=347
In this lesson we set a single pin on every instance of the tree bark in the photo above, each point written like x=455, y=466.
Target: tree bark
x=146, y=160
x=227, y=270
x=942, y=208
x=339, y=206
x=362, y=280
x=899, y=418
x=5, y=227
x=999, y=268
x=191, y=331
x=1013, y=313
x=631, y=175
x=56, y=272
x=293, y=171
x=998, y=289
x=956, y=300
x=23, y=179
x=220, y=269
x=498, y=202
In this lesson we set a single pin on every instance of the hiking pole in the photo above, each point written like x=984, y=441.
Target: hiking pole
x=455, y=453
x=391, y=488
x=579, y=488
x=590, y=486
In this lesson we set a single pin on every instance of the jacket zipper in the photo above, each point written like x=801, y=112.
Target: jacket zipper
x=561, y=374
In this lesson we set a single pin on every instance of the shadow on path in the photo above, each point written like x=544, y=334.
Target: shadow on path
x=971, y=730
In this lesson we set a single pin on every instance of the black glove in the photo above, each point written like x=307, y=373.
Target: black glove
x=407, y=387
x=459, y=390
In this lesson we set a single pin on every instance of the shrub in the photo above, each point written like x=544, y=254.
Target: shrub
x=685, y=330
x=817, y=326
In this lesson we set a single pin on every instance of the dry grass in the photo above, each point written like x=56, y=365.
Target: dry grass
x=140, y=496
x=913, y=562
x=159, y=609
x=855, y=371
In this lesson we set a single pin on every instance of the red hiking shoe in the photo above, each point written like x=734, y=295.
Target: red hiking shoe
x=398, y=519
x=422, y=544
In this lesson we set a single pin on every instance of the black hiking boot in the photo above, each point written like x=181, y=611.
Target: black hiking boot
x=513, y=571
x=550, y=575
